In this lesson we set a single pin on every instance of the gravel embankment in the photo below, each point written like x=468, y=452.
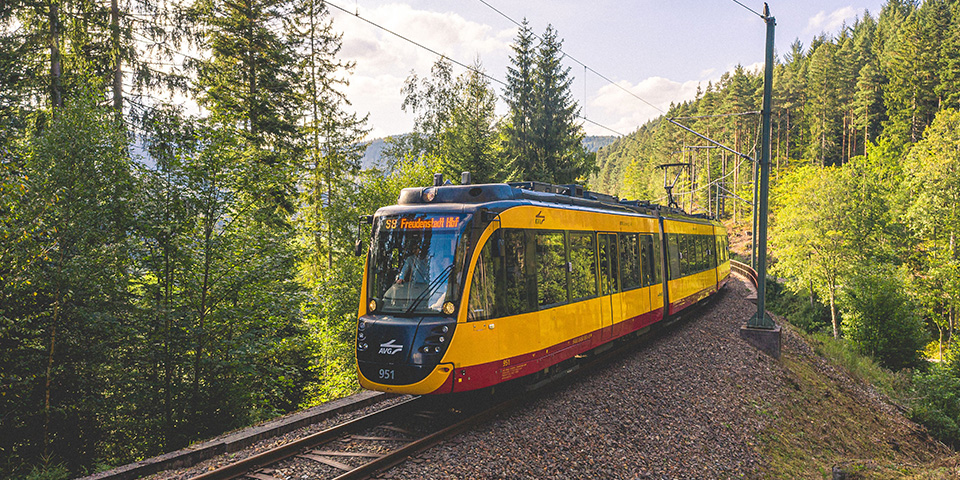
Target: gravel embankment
x=685, y=405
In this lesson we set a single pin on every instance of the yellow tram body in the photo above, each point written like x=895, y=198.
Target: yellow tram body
x=486, y=351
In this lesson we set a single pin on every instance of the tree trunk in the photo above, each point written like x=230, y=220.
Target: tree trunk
x=56, y=68
x=202, y=313
x=833, y=312
x=49, y=378
x=115, y=45
x=940, y=346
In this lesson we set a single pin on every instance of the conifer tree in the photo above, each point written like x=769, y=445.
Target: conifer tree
x=543, y=140
x=250, y=86
x=520, y=97
x=558, y=154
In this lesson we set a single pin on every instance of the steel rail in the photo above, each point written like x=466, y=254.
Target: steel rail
x=241, y=468
x=249, y=466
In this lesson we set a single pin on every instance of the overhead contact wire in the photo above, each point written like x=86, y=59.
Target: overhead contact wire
x=472, y=69
x=585, y=66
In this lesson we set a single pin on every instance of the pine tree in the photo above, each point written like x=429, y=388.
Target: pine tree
x=543, y=142
x=250, y=86
x=824, y=106
x=520, y=97
x=558, y=153
x=911, y=66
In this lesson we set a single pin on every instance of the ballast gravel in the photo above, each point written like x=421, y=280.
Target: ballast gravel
x=687, y=404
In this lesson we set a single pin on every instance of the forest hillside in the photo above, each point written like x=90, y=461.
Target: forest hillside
x=865, y=187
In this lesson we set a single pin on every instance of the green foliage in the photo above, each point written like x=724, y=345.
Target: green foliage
x=48, y=472
x=801, y=308
x=937, y=406
x=542, y=139
x=455, y=123
x=932, y=186
x=880, y=320
x=812, y=240
x=63, y=310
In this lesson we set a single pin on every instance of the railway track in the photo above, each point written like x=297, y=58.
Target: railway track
x=744, y=271
x=361, y=447
x=365, y=446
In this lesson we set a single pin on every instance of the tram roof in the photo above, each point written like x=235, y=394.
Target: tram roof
x=503, y=195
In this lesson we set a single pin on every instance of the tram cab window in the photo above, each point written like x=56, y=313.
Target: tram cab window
x=551, y=269
x=583, y=266
x=413, y=262
x=630, y=269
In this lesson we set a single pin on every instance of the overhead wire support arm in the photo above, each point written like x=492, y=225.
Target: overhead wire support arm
x=704, y=137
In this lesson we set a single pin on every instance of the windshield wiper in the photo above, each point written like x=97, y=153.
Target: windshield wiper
x=432, y=287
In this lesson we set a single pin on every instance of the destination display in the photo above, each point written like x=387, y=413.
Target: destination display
x=428, y=223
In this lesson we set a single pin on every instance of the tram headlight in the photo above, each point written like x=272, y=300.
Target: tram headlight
x=362, y=325
x=442, y=339
x=362, y=346
x=361, y=336
x=449, y=308
x=372, y=306
x=445, y=329
x=429, y=194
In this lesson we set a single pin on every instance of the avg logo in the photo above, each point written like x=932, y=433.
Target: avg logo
x=390, y=347
x=539, y=219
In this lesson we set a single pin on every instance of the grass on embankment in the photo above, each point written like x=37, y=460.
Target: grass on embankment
x=840, y=409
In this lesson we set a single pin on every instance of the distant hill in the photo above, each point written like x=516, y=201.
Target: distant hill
x=594, y=143
x=371, y=157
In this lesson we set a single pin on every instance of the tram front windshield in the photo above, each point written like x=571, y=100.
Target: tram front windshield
x=413, y=262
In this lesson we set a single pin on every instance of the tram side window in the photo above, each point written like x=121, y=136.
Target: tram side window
x=721, y=251
x=483, y=287
x=517, y=275
x=583, y=266
x=706, y=243
x=673, y=252
x=702, y=259
x=630, y=260
x=551, y=269
x=609, y=271
x=647, y=262
x=657, y=259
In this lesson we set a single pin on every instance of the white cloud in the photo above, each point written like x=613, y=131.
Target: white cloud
x=383, y=61
x=615, y=108
x=824, y=22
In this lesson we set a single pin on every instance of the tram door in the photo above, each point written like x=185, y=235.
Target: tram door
x=609, y=281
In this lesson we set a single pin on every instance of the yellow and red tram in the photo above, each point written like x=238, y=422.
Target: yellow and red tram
x=468, y=286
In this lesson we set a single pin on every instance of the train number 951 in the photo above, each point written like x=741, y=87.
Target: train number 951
x=387, y=374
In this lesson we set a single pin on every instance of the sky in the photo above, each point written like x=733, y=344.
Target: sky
x=657, y=50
